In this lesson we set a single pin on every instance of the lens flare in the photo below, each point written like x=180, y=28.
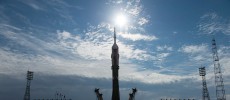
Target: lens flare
x=121, y=20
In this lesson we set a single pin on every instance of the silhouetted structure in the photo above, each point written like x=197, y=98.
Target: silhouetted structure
x=132, y=95
x=52, y=99
x=29, y=78
x=205, y=94
x=220, y=92
x=99, y=95
x=58, y=96
x=177, y=99
x=115, y=67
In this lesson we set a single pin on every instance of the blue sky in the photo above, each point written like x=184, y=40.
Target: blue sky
x=67, y=43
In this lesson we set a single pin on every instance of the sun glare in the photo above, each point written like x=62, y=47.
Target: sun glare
x=121, y=20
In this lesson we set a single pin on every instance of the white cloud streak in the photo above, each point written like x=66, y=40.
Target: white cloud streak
x=211, y=23
x=135, y=37
x=193, y=49
x=143, y=21
x=199, y=54
x=164, y=48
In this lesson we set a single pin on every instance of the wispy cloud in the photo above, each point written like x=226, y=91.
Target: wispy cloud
x=115, y=2
x=224, y=56
x=135, y=37
x=194, y=49
x=133, y=7
x=211, y=23
x=80, y=67
x=197, y=54
x=151, y=77
x=33, y=4
x=97, y=45
x=143, y=21
x=39, y=6
x=164, y=48
x=134, y=11
x=79, y=57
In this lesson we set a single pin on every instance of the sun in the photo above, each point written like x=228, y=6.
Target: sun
x=121, y=20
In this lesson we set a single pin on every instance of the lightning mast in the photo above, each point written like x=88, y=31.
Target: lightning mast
x=29, y=78
x=220, y=92
x=205, y=89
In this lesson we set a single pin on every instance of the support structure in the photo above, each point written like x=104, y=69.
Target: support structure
x=205, y=93
x=99, y=95
x=132, y=95
x=29, y=78
x=115, y=68
x=57, y=96
x=220, y=92
x=177, y=99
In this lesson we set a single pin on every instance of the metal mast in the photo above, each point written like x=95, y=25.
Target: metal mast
x=115, y=67
x=29, y=78
x=205, y=89
x=220, y=92
x=99, y=95
x=132, y=95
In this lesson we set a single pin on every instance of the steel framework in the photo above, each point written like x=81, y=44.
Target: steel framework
x=29, y=78
x=220, y=92
x=205, y=89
